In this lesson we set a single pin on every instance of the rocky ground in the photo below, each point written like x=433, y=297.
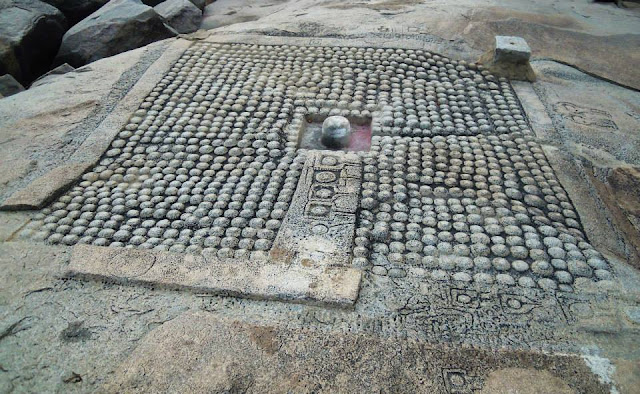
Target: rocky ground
x=74, y=322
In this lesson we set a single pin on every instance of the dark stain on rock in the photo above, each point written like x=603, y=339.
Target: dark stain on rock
x=75, y=332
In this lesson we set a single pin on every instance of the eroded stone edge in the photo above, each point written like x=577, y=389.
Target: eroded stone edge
x=46, y=188
x=334, y=286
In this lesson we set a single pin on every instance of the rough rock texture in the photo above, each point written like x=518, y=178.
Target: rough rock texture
x=524, y=381
x=9, y=86
x=596, y=124
x=199, y=3
x=30, y=34
x=119, y=26
x=409, y=330
x=76, y=10
x=90, y=336
x=624, y=182
x=199, y=353
x=228, y=12
x=88, y=329
x=320, y=220
x=44, y=189
x=619, y=188
x=182, y=15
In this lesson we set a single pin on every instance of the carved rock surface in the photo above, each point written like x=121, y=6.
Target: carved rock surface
x=511, y=49
x=182, y=15
x=119, y=26
x=30, y=33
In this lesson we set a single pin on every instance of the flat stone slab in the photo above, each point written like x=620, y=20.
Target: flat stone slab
x=248, y=278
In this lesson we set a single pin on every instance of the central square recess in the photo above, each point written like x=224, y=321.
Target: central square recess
x=311, y=133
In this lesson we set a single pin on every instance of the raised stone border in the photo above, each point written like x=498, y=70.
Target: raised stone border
x=258, y=279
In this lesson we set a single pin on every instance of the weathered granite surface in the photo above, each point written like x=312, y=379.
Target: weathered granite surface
x=43, y=190
x=55, y=129
x=264, y=358
x=593, y=125
x=49, y=76
x=77, y=10
x=9, y=86
x=182, y=15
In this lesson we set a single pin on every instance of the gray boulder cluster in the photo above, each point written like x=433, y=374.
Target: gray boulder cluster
x=30, y=33
x=38, y=35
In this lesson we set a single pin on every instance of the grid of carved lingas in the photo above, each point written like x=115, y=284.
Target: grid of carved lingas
x=455, y=182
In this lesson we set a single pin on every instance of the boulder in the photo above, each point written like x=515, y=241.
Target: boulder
x=182, y=15
x=30, y=34
x=76, y=10
x=119, y=26
x=48, y=77
x=9, y=86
